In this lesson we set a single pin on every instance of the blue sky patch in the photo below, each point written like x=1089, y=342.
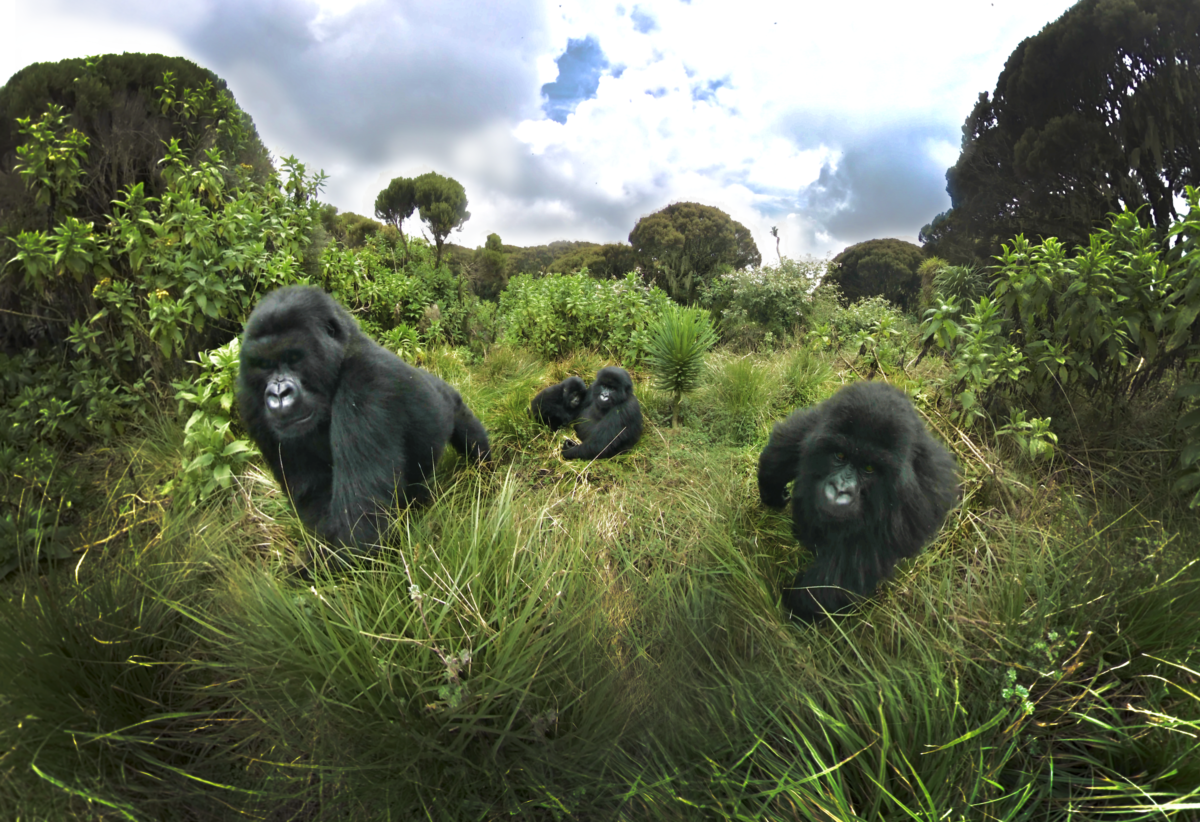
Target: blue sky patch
x=579, y=70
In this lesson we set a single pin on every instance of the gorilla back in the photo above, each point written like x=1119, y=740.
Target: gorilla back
x=347, y=427
x=870, y=487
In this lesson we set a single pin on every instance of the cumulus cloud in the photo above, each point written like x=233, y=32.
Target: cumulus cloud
x=833, y=122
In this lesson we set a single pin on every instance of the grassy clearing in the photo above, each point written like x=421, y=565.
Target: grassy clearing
x=553, y=640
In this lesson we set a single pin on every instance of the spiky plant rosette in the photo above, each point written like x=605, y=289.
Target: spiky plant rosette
x=676, y=351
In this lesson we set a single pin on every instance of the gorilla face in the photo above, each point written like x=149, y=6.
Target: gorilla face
x=291, y=368
x=559, y=404
x=841, y=495
x=575, y=395
x=611, y=390
x=870, y=487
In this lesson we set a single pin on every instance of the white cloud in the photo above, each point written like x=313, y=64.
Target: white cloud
x=872, y=93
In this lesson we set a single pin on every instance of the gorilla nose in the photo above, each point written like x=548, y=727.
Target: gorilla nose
x=280, y=396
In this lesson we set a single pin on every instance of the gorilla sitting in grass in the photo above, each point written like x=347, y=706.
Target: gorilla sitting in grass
x=348, y=428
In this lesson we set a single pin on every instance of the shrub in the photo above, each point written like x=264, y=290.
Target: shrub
x=773, y=299
x=559, y=313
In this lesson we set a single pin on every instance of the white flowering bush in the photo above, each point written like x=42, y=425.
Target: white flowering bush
x=769, y=300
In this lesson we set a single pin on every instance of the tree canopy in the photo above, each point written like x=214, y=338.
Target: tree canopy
x=442, y=205
x=611, y=261
x=395, y=204
x=885, y=268
x=127, y=106
x=1099, y=111
x=685, y=245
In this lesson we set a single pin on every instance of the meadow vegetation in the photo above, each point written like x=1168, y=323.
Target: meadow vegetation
x=549, y=639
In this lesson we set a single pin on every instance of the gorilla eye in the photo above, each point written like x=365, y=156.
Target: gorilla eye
x=840, y=456
x=291, y=357
x=868, y=469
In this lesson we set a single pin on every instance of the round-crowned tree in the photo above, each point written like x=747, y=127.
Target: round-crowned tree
x=685, y=245
x=886, y=268
x=442, y=205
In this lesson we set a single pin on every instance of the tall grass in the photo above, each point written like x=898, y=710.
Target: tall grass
x=549, y=640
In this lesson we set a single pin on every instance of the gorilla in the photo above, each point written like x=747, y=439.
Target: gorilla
x=870, y=487
x=558, y=405
x=347, y=427
x=611, y=419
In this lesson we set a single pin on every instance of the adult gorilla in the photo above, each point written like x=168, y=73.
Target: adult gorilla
x=870, y=487
x=559, y=404
x=348, y=427
x=611, y=419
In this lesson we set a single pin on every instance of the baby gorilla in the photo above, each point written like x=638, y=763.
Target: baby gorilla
x=611, y=419
x=870, y=487
x=347, y=427
x=558, y=405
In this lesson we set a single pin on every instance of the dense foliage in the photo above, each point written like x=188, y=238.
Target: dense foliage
x=557, y=314
x=778, y=301
x=879, y=268
x=1112, y=320
x=1094, y=114
x=685, y=245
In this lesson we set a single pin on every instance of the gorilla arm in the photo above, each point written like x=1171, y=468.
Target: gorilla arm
x=780, y=460
x=608, y=436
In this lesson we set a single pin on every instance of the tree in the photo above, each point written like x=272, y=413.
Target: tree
x=611, y=261
x=885, y=268
x=442, y=205
x=1096, y=113
x=395, y=204
x=128, y=107
x=685, y=245
x=489, y=273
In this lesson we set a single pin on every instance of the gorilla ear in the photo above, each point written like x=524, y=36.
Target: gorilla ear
x=333, y=329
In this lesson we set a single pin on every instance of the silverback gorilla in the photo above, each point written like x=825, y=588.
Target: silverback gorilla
x=559, y=404
x=870, y=487
x=611, y=419
x=347, y=427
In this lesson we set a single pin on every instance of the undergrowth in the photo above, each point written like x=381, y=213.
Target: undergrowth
x=556, y=640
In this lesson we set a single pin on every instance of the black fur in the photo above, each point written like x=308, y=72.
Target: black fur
x=347, y=427
x=611, y=419
x=559, y=405
x=870, y=487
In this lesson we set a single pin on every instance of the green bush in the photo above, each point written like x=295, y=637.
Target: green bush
x=776, y=300
x=559, y=313
x=214, y=453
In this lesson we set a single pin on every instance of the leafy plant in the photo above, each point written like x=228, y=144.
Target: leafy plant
x=560, y=313
x=213, y=452
x=965, y=283
x=1032, y=436
x=675, y=352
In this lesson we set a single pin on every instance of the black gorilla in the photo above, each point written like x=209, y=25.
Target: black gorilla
x=611, y=419
x=871, y=487
x=348, y=427
x=559, y=405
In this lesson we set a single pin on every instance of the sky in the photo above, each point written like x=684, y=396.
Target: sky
x=833, y=121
